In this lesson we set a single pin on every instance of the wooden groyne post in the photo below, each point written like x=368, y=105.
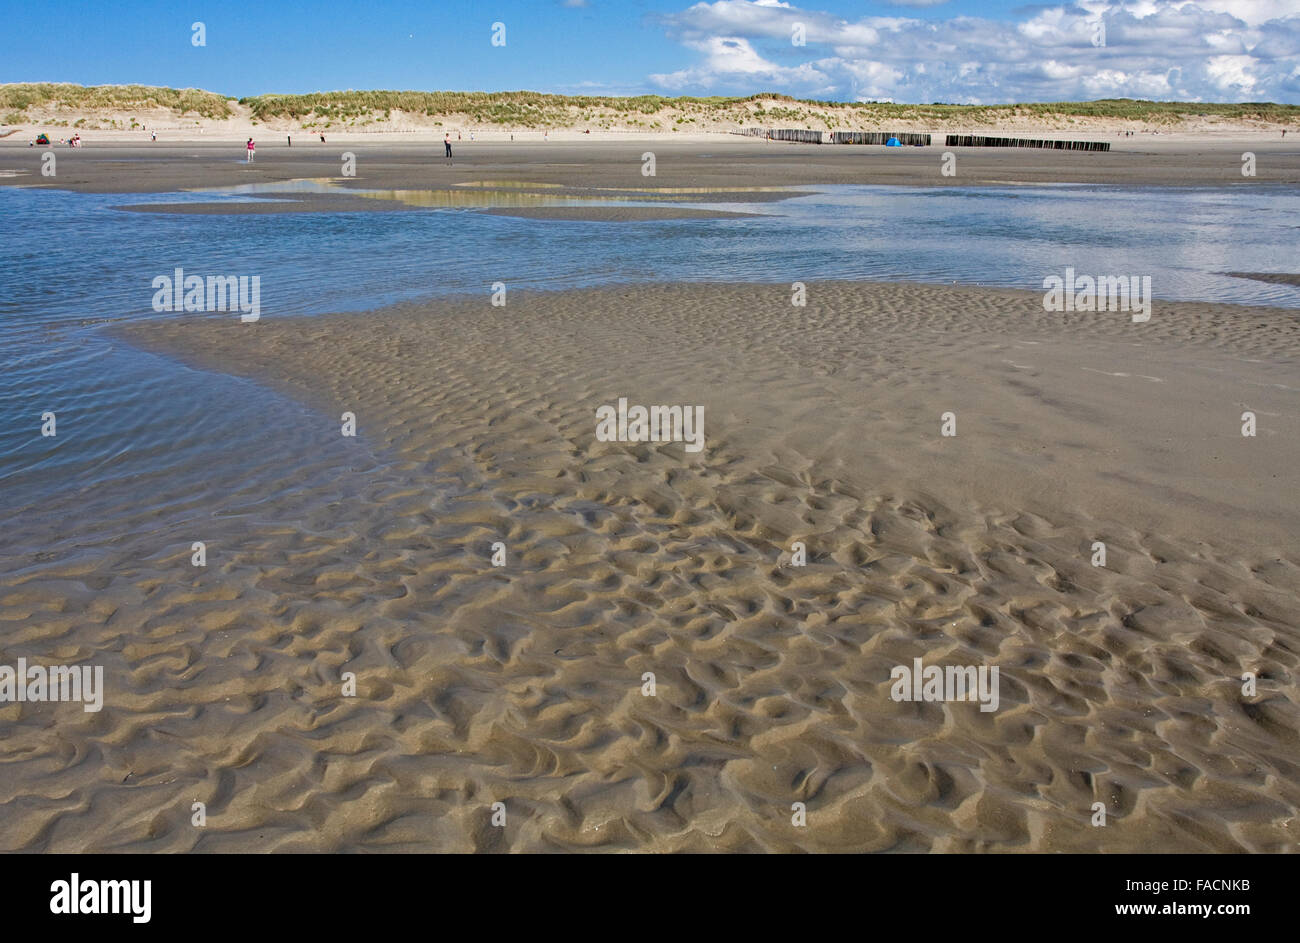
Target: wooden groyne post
x=979, y=140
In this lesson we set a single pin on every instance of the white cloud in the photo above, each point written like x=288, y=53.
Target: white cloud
x=734, y=57
x=1195, y=50
x=1232, y=73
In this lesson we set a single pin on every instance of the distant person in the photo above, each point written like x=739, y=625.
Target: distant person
x=154, y=135
x=251, y=148
x=446, y=142
x=322, y=139
x=289, y=138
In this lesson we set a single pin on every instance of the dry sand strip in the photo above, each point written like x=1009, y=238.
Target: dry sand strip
x=725, y=162
x=270, y=204
x=522, y=684
x=326, y=203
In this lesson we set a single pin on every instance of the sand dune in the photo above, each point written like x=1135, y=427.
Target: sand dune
x=523, y=683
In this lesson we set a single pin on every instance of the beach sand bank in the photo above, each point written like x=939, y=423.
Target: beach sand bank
x=727, y=166
x=1120, y=684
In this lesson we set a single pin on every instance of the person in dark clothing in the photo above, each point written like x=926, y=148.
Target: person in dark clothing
x=446, y=142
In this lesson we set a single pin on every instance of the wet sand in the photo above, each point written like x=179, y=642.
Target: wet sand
x=615, y=214
x=286, y=202
x=725, y=162
x=1276, y=278
x=523, y=684
x=326, y=203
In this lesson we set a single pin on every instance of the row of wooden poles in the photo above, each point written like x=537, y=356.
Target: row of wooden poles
x=977, y=140
x=835, y=137
x=880, y=137
x=798, y=137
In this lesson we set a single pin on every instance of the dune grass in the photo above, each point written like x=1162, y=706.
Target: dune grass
x=523, y=109
x=533, y=109
x=18, y=98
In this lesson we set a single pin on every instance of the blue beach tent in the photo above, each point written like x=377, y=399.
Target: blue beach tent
x=893, y=142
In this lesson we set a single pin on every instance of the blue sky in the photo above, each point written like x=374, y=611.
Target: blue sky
x=922, y=50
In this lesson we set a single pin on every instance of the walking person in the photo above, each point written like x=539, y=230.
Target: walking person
x=446, y=142
x=251, y=148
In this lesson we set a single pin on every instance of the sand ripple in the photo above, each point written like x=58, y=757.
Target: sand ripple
x=522, y=684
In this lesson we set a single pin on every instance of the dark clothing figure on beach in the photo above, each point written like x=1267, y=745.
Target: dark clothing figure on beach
x=446, y=142
x=322, y=139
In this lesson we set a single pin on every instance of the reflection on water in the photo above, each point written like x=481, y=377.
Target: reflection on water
x=511, y=184
x=454, y=199
x=133, y=422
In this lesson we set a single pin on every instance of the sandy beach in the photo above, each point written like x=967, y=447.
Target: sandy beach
x=523, y=683
x=727, y=166
x=479, y=605
x=739, y=427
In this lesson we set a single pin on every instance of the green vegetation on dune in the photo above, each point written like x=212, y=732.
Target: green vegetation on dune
x=537, y=110
x=527, y=109
x=1119, y=109
x=66, y=97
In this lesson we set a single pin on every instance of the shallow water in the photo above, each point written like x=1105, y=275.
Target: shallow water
x=134, y=423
